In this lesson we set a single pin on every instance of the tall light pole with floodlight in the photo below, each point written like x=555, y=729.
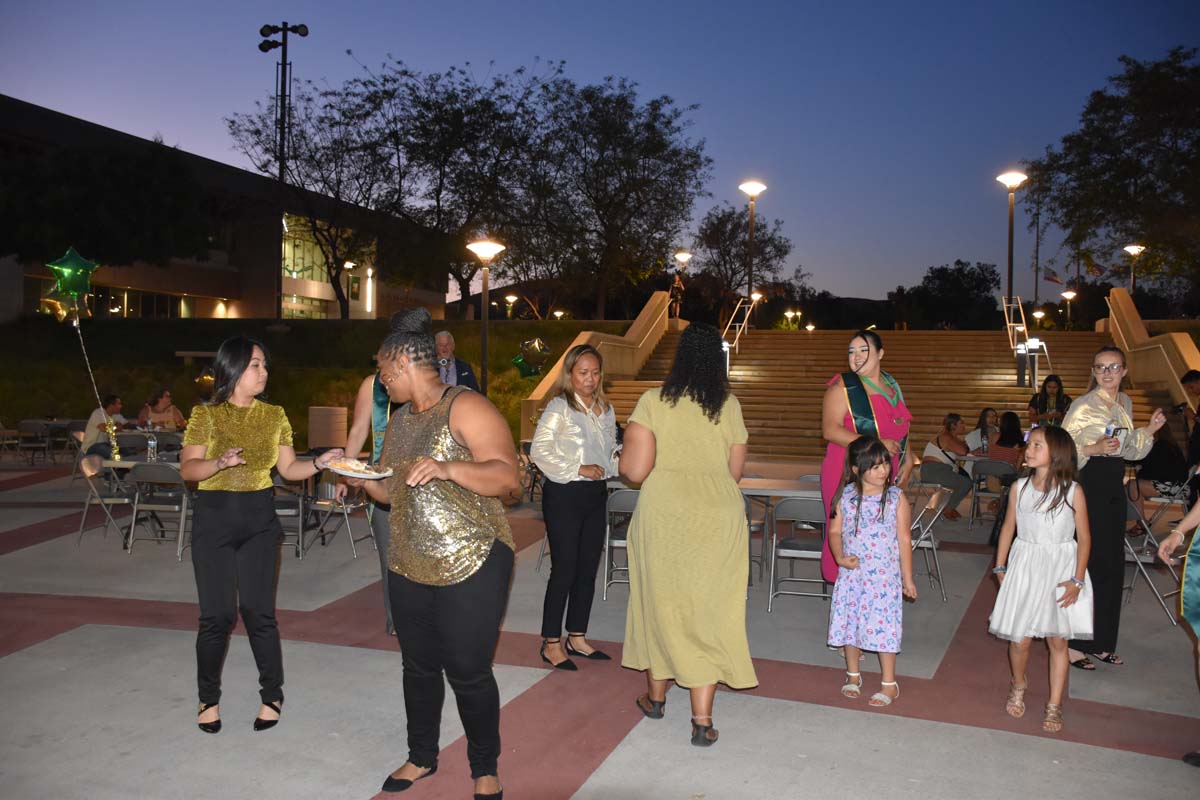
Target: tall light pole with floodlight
x=509, y=301
x=283, y=85
x=1134, y=251
x=1011, y=181
x=753, y=189
x=485, y=250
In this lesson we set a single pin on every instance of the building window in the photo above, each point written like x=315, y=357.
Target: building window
x=296, y=307
x=355, y=287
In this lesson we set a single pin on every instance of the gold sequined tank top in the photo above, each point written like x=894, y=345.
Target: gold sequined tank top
x=441, y=532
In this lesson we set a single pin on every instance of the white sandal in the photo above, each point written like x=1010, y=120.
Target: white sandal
x=881, y=700
x=851, y=689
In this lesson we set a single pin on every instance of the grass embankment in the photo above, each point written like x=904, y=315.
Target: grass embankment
x=314, y=362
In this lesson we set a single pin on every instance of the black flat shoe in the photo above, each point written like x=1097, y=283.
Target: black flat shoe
x=400, y=784
x=566, y=664
x=703, y=735
x=1193, y=759
x=208, y=727
x=1084, y=664
x=261, y=724
x=656, y=709
x=493, y=796
x=595, y=655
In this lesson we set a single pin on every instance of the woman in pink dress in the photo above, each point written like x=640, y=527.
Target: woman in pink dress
x=866, y=401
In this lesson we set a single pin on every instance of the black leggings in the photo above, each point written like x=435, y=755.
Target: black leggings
x=235, y=555
x=574, y=514
x=453, y=630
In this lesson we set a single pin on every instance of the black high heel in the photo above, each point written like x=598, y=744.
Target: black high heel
x=261, y=724
x=566, y=664
x=400, y=784
x=209, y=727
x=595, y=655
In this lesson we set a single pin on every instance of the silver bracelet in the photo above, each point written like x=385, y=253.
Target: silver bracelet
x=1077, y=582
x=1000, y=570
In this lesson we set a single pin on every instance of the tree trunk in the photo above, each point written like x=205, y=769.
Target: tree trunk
x=335, y=280
x=464, y=291
x=601, y=289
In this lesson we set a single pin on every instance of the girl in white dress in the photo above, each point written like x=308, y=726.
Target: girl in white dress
x=1044, y=587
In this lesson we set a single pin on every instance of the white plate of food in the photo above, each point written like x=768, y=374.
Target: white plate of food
x=353, y=468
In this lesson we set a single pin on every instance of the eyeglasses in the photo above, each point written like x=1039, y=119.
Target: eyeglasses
x=1107, y=369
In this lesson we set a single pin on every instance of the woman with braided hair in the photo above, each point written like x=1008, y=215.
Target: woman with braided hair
x=450, y=558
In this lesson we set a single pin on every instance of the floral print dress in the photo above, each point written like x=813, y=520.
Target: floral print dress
x=868, y=602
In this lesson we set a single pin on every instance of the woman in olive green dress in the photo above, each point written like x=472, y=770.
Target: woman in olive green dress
x=686, y=445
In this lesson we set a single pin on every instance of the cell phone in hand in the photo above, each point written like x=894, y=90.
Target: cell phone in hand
x=1119, y=434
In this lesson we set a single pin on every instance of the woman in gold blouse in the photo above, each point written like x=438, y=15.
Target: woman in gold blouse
x=1101, y=425
x=230, y=446
x=450, y=558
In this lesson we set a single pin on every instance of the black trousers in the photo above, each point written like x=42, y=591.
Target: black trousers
x=574, y=514
x=1105, y=495
x=453, y=630
x=235, y=555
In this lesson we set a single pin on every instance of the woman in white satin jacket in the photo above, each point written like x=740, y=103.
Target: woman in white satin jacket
x=575, y=448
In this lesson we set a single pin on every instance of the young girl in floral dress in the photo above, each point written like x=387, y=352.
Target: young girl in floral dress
x=869, y=537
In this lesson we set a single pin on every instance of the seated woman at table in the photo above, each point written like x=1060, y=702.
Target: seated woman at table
x=229, y=449
x=938, y=462
x=1164, y=471
x=989, y=419
x=1009, y=445
x=160, y=412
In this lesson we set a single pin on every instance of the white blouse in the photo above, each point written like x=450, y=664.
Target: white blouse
x=566, y=440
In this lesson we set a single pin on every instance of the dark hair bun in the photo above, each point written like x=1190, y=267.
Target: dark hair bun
x=415, y=320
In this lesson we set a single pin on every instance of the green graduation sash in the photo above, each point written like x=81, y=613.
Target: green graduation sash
x=862, y=412
x=1189, y=596
x=381, y=410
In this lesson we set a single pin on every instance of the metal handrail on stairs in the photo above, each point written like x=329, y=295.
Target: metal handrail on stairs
x=1019, y=340
x=747, y=309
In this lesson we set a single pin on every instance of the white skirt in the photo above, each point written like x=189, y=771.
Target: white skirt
x=1027, y=605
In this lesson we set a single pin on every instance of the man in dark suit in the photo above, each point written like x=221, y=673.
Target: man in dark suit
x=454, y=371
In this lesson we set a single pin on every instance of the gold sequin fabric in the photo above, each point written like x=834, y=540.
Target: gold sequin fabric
x=260, y=429
x=441, y=532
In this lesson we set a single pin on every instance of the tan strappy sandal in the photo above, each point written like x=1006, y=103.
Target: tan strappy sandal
x=1015, y=705
x=1053, y=721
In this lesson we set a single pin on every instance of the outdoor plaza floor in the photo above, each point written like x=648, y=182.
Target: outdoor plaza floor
x=98, y=673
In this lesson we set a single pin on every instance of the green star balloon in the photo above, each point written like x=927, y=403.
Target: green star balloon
x=73, y=274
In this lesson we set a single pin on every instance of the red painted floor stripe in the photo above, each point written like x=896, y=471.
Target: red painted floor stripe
x=34, y=478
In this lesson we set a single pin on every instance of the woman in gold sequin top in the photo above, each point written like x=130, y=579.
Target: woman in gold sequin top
x=230, y=446
x=451, y=554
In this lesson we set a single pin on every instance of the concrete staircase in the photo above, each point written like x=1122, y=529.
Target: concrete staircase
x=779, y=377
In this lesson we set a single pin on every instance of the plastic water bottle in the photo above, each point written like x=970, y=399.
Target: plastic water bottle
x=151, y=447
x=983, y=446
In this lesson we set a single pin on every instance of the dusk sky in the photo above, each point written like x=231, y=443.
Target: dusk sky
x=879, y=129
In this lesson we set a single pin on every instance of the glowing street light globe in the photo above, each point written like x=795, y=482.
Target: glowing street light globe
x=753, y=188
x=683, y=257
x=1134, y=250
x=1012, y=180
x=1039, y=314
x=1068, y=295
x=486, y=249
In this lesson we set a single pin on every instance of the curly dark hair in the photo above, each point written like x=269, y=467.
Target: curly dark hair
x=699, y=371
x=411, y=336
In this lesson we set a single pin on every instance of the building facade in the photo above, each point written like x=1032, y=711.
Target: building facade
x=259, y=260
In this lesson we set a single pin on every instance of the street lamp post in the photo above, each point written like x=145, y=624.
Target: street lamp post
x=1134, y=251
x=1011, y=181
x=1039, y=315
x=509, y=300
x=753, y=189
x=789, y=314
x=485, y=250
x=283, y=83
x=1068, y=295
